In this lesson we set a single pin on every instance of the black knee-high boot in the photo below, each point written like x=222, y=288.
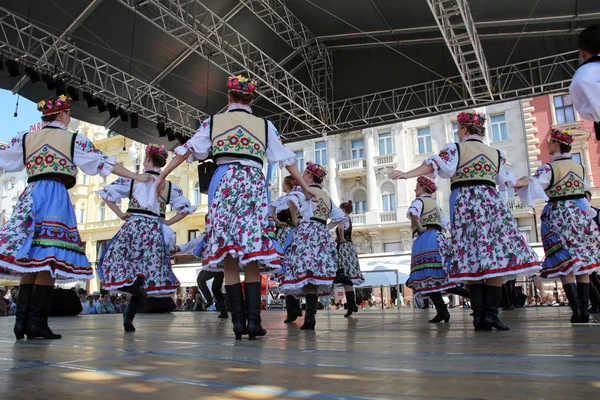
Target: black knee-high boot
x=507, y=296
x=39, y=309
x=237, y=306
x=130, y=311
x=291, y=307
x=440, y=308
x=253, y=310
x=136, y=289
x=476, y=298
x=594, y=298
x=583, y=290
x=299, y=307
x=573, y=297
x=351, y=302
x=22, y=311
x=492, y=298
x=311, y=312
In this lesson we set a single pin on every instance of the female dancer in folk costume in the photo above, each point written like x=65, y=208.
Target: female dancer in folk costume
x=571, y=239
x=137, y=260
x=40, y=243
x=237, y=232
x=429, y=250
x=348, y=273
x=286, y=221
x=486, y=245
x=311, y=258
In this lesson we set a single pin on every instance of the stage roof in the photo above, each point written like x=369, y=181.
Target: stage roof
x=325, y=66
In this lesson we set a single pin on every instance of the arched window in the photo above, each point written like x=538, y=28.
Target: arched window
x=196, y=196
x=360, y=201
x=101, y=211
x=388, y=197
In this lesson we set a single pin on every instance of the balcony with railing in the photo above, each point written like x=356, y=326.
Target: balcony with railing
x=356, y=166
x=386, y=159
x=388, y=216
x=358, y=219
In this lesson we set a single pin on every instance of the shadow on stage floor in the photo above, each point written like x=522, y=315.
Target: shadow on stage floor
x=375, y=354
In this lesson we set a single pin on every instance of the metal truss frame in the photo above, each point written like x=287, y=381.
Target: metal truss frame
x=456, y=24
x=30, y=44
x=195, y=25
x=511, y=82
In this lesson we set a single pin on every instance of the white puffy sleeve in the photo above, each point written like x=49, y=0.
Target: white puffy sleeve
x=537, y=183
x=116, y=191
x=297, y=197
x=336, y=214
x=280, y=204
x=189, y=247
x=416, y=208
x=91, y=160
x=199, y=145
x=585, y=91
x=11, y=155
x=179, y=202
x=276, y=151
x=505, y=178
x=445, y=162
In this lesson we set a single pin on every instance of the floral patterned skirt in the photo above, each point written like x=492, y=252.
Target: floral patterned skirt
x=427, y=273
x=42, y=235
x=571, y=240
x=310, y=259
x=486, y=241
x=238, y=222
x=348, y=262
x=139, y=249
x=282, y=233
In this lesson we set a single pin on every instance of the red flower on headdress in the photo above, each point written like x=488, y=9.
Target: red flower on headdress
x=316, y=169
x=427, y=183
x=471, y=118
x=562, y=136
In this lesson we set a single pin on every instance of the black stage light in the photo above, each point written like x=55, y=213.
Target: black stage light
x=49, y=81
x=123, y=115
x=170, y=134
x=60, y=87
x=12, y=67
x=1, y=64
x=73, y=93
x=161, y=129
x=89, y=99
x=100, y=104
x=112, y=110
x=134, y=119
x=181, y=137
x=32, y=74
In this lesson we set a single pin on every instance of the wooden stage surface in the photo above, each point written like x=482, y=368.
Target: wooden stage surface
x=375, y=354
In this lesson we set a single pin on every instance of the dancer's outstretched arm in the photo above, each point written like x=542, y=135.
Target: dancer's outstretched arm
x=423, y=169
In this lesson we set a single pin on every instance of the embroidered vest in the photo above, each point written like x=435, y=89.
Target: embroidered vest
x=324, y=206
x=48, y=154
x=478, y=164
x=347, y=233
x=431, y=216
x=163, y=200
x=567, y=180
x=239, y=134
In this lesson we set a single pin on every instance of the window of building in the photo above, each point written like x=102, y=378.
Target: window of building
x=424, y=137
x=499, y=130
x=193, y=234
x=100, y=248
x=321, y=153
x=84, y=179
x=300, y=161
x=394, y=247
x=137, y=166
x=101, y=211
x=385, y=144
x=509, y=193
x=388, y=197
x=196, y=196
x=359, y=202
x=455, y=132
x=358, y=149
x=81, y=215
x=563, y=109
x=577, y=157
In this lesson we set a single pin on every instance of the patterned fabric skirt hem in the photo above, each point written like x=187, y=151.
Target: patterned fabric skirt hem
x=357, y=280
x=434, y=289
x=324, y=286
x=9, y=271
x=348, y=261
x=525, y=269
x=269, y=262
x=167, y=291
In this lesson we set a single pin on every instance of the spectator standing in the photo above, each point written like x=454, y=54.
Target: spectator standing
x=89, y=307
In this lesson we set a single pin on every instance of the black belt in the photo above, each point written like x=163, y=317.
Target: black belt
x=319, y=220
x=143, y=212
x=481, y=182
x=563, y=198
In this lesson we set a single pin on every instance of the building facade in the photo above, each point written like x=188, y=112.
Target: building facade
x=11, y=186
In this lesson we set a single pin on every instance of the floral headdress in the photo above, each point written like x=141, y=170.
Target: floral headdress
x=242, y=84
x=471, y=118
x=562, y=136
x=316, y=170
x=158, y=150
x=54, y=105
x=428, y=183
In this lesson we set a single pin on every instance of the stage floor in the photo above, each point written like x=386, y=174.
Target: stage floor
x=375, y=354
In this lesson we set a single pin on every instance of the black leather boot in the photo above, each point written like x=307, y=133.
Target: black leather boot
x=440, y=308
x=507, y=296
x=351, y=302
x=476, y=298
x=493, y=296
x=21, y=313
x=136, y=289
x=291, y=307
x=129, y=314
x=39, y=307
x=299, y=307
x=573, y=297
x=222, y=306
x=237, y=307
x=594, y=297
x=311, y=312
x=254, y=328
x=583, y=290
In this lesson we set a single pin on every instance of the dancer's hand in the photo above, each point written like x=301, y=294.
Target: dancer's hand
x=395, y=174
x=124, y=216
x=144, y=177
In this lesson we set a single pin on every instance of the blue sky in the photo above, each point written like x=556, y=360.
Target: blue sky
x=28, y=115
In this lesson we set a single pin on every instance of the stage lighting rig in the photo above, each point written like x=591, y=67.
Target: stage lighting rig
x=12, y=67
x=123, y=115
x=32, y=74
x=49, y=81
x=112, y=110
x=100, y=104
x=60, y=87
x=89, y=99
x=162, y=131
x=170, y=134
x=73, y=93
